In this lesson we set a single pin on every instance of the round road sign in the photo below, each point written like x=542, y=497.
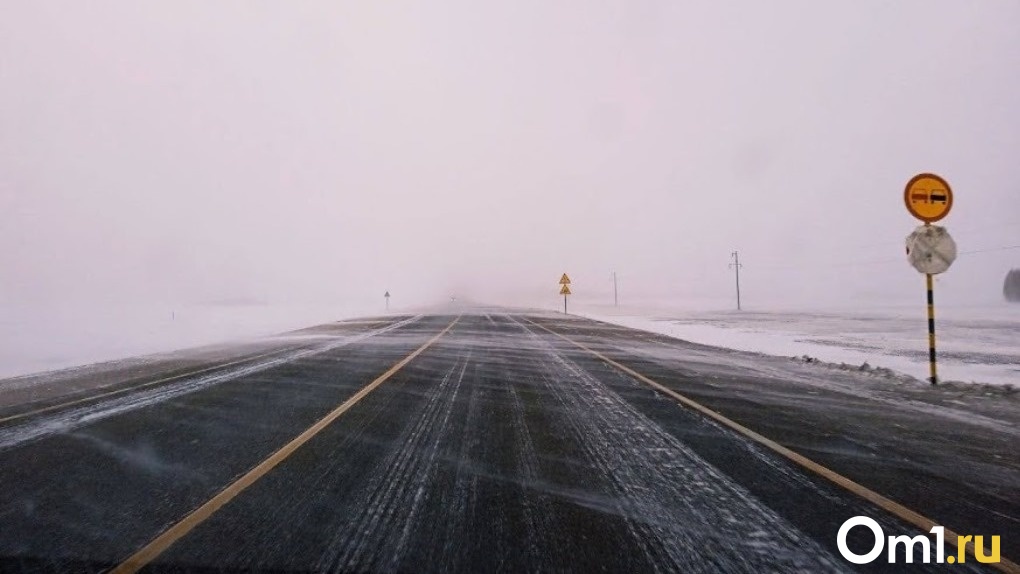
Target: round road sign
x=928, y=197
x=930, y=249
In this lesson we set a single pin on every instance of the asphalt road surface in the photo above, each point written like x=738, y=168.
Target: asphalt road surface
x=484, y=440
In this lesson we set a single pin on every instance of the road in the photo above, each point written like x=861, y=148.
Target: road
x=479, y=440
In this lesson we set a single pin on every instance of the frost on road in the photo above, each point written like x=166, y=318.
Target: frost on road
x=500, y=447
x=497, y=448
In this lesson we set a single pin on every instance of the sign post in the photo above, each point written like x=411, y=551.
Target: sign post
x=930, y=249
x=565, y=290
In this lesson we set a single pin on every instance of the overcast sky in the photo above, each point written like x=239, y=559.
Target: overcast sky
x=188, y=151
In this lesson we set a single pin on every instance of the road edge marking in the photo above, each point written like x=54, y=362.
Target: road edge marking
x=887, y=504
x=161, y=543
x=147, y=384
x=142, y=385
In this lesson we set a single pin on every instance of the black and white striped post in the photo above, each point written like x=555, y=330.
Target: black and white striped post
x=931, y=329
x=930, y=249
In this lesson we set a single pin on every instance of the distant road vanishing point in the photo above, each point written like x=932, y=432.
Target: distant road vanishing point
x=479, y=439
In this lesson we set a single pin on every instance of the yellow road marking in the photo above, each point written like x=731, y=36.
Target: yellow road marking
x=894, y=508
x=139, y=386
x=150, y=551
x=91, y=398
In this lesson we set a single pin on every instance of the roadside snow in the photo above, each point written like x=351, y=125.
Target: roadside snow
x=981, y=345
x=44, y=338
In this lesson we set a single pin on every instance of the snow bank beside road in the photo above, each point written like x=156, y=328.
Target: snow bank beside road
x=972, y=348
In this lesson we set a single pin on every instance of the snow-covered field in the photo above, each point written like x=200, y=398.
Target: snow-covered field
x=975, y=344
x=42, y=338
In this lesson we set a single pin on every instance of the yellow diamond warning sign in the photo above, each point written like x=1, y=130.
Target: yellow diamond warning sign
x=564, y=280
x=928, y=197
x=565, y=290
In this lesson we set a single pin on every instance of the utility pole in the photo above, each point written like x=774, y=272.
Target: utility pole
x=616, y=292
x=736, y=266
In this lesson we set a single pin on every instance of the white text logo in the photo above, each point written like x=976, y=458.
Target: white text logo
x=909, y=544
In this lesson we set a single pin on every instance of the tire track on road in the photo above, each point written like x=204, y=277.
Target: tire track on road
x=63, y=421
x=465, y=482
x=537, y=510
x=685, y=514
x=161, y=543
x=394, y=495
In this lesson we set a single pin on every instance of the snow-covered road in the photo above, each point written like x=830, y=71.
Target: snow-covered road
x=498, y=446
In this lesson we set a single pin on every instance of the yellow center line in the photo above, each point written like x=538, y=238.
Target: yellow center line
x=150, y=551
x=104, y=395
x=894, y=508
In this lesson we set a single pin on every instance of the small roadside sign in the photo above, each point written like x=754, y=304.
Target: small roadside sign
x=928, y=197
x=565, y=290
x=930, y=249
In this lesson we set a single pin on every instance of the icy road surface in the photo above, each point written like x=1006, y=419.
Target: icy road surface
x=501, y=447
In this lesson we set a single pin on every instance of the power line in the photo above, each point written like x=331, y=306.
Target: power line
x=885, y=260
x=1007, y=248
x=970, y=229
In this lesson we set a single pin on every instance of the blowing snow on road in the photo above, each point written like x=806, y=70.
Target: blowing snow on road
x=509, y=441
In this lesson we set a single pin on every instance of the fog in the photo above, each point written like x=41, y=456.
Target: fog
x=169, y=153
